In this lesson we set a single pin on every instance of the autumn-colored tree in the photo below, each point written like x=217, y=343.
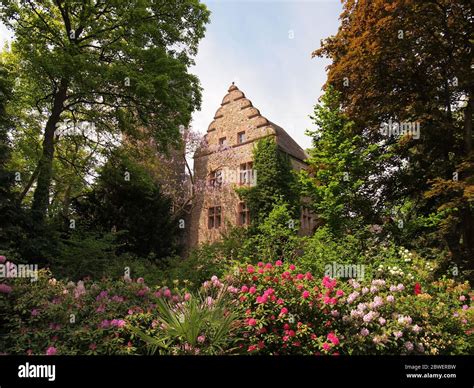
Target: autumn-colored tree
x=403, y=69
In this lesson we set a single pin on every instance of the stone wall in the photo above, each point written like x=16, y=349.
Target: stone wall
x=235, y=115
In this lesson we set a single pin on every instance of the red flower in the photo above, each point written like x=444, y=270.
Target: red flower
x=252, y=322
x=417, y=289
x=332, y=337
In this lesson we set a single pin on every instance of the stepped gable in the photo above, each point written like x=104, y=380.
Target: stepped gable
x=254, y=122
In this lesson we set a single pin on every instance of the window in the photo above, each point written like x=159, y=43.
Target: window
x=214, y=217
x=223, y=141
x=241, y=137
x=246, y=173
x=244, y=214
x=215, y=178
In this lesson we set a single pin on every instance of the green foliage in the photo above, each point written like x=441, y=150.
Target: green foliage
x=125, y=199
x=340, y=166
x=275, y=182
x=276, y=237
x=74, y=61
x=324, y=248
x=202, y=324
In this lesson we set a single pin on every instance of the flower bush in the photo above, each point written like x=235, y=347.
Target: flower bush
x=195, y=324
x=268, y=308
x=382, y=317
x=52, y=317
x=288, y=312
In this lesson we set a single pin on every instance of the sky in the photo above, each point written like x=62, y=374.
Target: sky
x=265, y=47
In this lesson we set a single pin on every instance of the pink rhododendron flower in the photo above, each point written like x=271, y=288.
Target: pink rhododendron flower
x=201, y=339
x=2, y=259
x=262, y=299
x=167, y=293
x=187, y=296
x=143, y=291
x=5, y=288
x=364, y=332
x=328, y=283
x=339, y=293
x=252, y=290
x=300, y=276
x=279, y=263
x=280, y=301
x=35, y=312
x=269, y=291
x=292, y=267
x=462, y=298
x=268, y=265
x=250, y=269
x=244, y=289
x=51, y=351
x=326, y=346
x=333, y=338
x=140, y=280
x=305, y=294
x=252, y=322
x=260, y=264
x=284, y=311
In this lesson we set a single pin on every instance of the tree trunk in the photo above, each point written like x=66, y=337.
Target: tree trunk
x=45, y=164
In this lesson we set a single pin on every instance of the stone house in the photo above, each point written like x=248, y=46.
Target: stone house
x=225, y=161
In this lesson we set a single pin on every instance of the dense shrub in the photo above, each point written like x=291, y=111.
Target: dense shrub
x=205, y=323
x=262, y=309
x=290, y=312
x=50, y=316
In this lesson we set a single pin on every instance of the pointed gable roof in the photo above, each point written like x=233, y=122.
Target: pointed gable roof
x=286, y=143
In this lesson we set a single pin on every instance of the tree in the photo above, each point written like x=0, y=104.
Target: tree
x=117, y=66
x=275, y=182
x=128, y=202
x=409, y=62
x=6, y=178
x=340, y=166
